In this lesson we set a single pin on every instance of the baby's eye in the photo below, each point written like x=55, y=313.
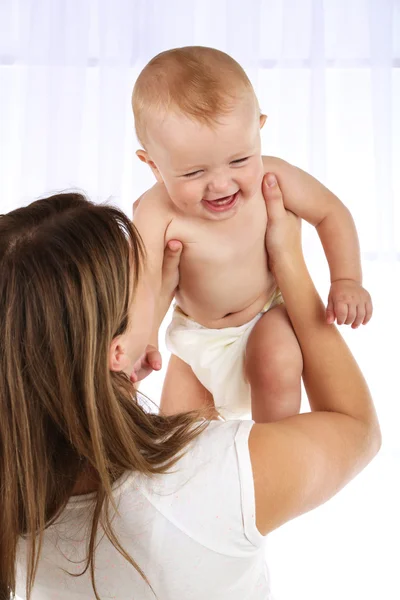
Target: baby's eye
x=192, y=174
x=240, y=160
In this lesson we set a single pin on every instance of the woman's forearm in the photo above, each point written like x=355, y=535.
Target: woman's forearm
x=332, y=377
x=159, y=314
x=166, y=285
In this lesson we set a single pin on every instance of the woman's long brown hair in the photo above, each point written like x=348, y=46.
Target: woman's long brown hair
x=66, y=269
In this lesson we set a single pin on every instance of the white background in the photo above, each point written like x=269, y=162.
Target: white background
x=327, y=74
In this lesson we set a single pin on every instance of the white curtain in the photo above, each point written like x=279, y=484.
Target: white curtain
x=327, y=73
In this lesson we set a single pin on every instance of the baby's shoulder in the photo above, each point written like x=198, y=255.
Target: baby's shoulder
x=276, y=165
x=155, y=196
x=154, y=203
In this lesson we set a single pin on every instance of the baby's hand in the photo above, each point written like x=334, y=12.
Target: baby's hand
x=150, y=361
x=348, y=303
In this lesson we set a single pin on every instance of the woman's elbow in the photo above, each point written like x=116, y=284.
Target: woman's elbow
x=374, y=440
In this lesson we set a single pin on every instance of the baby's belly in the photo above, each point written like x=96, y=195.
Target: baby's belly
x=223, y=297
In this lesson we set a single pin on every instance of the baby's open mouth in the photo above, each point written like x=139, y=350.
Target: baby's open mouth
x=222, y=204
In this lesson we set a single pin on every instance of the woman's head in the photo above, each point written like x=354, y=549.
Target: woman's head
x=74, y=266
x=75, y=315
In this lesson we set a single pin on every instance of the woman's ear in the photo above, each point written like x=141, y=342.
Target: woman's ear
x=263, y=118
x=116, y=355
x=144, y=157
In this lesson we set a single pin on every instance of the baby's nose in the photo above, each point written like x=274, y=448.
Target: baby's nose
x=218, y=184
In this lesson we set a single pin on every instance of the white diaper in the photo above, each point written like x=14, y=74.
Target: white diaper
x=216, y=357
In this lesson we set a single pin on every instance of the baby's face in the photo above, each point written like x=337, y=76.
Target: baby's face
x=209, y=171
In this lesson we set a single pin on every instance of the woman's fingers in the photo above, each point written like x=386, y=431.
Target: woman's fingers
x=273, y=197
x=172, y=256
x=283, y=227
x=170, y=269
x=174, y=246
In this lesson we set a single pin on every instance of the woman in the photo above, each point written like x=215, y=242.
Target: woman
x=127, y=504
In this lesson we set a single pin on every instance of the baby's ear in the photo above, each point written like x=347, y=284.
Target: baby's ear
x=263, y=118
x=144, y=157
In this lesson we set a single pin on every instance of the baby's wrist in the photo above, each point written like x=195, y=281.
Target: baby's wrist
x=346, y=279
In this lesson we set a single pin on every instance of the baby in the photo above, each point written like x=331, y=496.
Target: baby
x=198, y=120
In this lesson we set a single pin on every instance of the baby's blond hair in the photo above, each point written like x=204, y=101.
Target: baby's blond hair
x=201, y=83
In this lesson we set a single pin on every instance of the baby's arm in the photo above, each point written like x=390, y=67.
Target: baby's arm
x=348, y=301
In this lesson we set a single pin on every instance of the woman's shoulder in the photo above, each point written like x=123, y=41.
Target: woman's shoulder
x=215, y=444
x=209, y=491
x=217, y=454
x=219, y=442
x=218, y=431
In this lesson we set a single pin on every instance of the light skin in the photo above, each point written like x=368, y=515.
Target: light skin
x=224, y=275
x=127, y=349
x=319, y=452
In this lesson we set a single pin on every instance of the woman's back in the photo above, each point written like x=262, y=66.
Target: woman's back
x=191, y=531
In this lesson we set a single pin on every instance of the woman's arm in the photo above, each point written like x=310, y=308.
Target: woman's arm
x=300, y=462
x=169, y=279
x=151, y=359
x=307, y=198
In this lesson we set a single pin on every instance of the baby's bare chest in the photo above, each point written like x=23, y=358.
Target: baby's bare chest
x=228, y=244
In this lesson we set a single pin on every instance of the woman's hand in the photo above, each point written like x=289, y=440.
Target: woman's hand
x=283, y=235
x=151, y=359
x=169, y=278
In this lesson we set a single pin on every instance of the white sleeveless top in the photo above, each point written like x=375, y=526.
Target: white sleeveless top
x=192, y=531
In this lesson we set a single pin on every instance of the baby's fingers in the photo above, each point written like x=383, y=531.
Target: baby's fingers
x=361, y=311
x=154, y=359
x=330, y=312
x=341, y=311
x=368, y=312
x=351, y=314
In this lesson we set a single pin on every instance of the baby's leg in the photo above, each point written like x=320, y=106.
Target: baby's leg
x=273, y=366
x=182, y=391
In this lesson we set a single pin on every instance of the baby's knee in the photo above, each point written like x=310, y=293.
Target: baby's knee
x=276, y=368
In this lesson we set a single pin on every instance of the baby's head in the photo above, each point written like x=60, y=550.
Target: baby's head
x=198, y=120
